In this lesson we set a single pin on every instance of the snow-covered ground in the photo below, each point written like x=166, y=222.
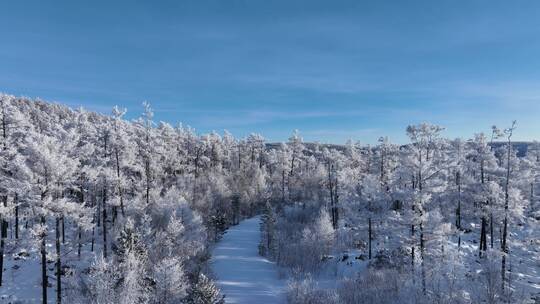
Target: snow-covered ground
x=243, y=275
x=22, y=272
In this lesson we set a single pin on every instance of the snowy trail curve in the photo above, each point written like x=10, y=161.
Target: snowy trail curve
x=244, y=276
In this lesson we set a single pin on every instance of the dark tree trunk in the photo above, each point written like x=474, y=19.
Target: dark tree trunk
x=483, y=237
x=147, y=182
x=491, y=237
x=98, y=217
x=114, y=215
x=79, y=236
x=283, y=186
x=504, y=245
x=422, y=258
x=458, y=210
x=44, y=280
x=3, y=241
x=369, y=237
x=105, y=222
x=412, y=237
x=239, y=158
x=331, y=189
x=336, y=200
x=382, y=166
x=58, y=264
x=120, y=190
x=93, y=235
x=63, y=230
x=3, y=222
x=93, y=239
x=79, y=246
x=16, y=218
x=504, y=250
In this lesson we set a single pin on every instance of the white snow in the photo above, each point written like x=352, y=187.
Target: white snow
x=242, y=274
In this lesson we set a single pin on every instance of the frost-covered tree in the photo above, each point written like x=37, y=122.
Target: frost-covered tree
x=125, y=211
x=205, y=292
x=267, y=246
x=374, y=195
x=425, y=163
x=485, y=188
x=296, y=147
x=15, y=176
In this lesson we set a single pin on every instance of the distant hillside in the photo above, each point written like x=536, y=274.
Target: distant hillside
x=520, y=146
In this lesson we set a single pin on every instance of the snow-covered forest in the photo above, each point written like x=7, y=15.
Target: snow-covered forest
x=99, y=209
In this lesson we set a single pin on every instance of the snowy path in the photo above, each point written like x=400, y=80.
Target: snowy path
x=244, y=276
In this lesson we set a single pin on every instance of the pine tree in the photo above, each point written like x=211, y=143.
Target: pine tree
x=204, y=292
x=267, y=246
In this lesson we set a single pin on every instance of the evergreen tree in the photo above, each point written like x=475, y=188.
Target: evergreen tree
x=267, y=246
x=204, y=292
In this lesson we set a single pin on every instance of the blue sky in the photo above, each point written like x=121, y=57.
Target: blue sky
x=332, y=69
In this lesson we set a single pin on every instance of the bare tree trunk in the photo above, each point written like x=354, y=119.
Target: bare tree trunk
x=3, y=241
x=63, y=230
x=44, y=280
x=458, y=209
x=504, y=246
x=105, y=220
x=382, y=165
x=422, y=258
x=120, y=190
x=93, y=233
x=58, y=264
x=420, y=188
x=147, y=164
x=2, y=253
x=79, y=234
x=483, y=219
x=4, y=198
x=335, y=207
x=98, y=217
x=93, y=240
x=283, y=186
x=16, y=216
x=412, y=236
x=369, y=237
x=505, y=251
x=491, y=237
x=79, y=246
x=239, y=158
x=114, y=215
x=331, y=190
x=482, y=247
